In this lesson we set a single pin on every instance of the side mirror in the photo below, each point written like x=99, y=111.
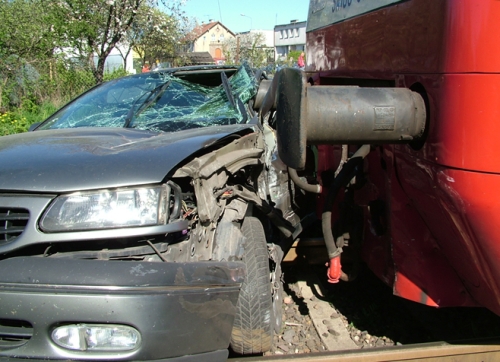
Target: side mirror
x=34, y=126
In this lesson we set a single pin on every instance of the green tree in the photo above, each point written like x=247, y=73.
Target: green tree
x=26, y=29
x=55, y=49
x=248, y=47
x=27, y=37
x=95, y=27
x=163, y=37
x=294, y=54
x=153, y=35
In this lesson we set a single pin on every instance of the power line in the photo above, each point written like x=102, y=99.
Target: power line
x=220, y=13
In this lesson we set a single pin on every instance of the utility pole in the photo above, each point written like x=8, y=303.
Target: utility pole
x=237, y=57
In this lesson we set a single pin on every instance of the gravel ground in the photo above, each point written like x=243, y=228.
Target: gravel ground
x=298, y=332
x=374, y=317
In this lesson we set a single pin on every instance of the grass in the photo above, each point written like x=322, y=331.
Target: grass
x=31, y=109
x=20, y=120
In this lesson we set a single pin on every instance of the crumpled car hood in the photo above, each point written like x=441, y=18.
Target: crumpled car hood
x=56, y=161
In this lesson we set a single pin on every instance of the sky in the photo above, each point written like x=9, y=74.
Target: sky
x=258, y=14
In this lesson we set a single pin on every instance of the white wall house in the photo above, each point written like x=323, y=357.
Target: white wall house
x=289, y=37
x=115, y=60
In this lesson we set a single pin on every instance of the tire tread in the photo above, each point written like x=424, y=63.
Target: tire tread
x=252, y=329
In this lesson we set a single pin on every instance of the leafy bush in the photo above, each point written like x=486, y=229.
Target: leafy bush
x=11, y=123
x=21, y=119
x=30, y=93
x=116, y=73
x=295, y=55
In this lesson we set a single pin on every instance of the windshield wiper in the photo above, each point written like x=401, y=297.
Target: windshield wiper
x=236, y=103
x=150, y=99
x=227, y=89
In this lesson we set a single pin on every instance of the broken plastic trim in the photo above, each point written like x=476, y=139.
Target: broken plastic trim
x=283, y=225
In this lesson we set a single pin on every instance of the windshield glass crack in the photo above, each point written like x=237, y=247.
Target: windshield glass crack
x=166, y=101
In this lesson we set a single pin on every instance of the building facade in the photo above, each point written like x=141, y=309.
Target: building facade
x=289, y=37
x=210, y=38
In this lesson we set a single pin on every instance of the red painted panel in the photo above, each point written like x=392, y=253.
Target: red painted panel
x=442, y=245
x=472, y=36
x=459, y=208
x=464, y=123
x=416, y=36
x=423, y=272
x=466, y=127
x=408, y=256
x=396, y=39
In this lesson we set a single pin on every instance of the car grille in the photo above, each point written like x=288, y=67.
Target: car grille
x=14, y=333
x=12, y=223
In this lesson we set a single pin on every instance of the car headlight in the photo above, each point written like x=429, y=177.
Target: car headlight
x=105, y=209
x=97, y=337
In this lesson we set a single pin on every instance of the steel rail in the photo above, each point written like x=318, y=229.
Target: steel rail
x=467, y=351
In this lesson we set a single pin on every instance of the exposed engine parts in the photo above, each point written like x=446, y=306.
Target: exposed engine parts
x=307, y=115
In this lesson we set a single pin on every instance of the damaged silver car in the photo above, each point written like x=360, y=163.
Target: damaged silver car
x=146, y=220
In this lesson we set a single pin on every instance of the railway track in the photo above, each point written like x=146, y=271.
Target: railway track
x=473, y=351
x=363, y=322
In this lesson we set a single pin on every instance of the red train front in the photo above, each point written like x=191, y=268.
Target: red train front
x=428, y=203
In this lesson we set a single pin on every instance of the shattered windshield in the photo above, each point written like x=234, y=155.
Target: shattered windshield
x=162, y=101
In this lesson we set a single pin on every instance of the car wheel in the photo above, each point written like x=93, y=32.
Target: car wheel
x=254, y=322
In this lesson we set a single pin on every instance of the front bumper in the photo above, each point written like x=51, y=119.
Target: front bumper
x=180, y=309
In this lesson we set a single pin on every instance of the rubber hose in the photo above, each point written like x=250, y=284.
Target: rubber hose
x=316, y=189
x=345, y=175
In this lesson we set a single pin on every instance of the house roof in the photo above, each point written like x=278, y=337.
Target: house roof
x=198, y=58
x=291, y=24
x=204, y=28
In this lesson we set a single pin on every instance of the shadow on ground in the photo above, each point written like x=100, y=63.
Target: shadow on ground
x=369, y=305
